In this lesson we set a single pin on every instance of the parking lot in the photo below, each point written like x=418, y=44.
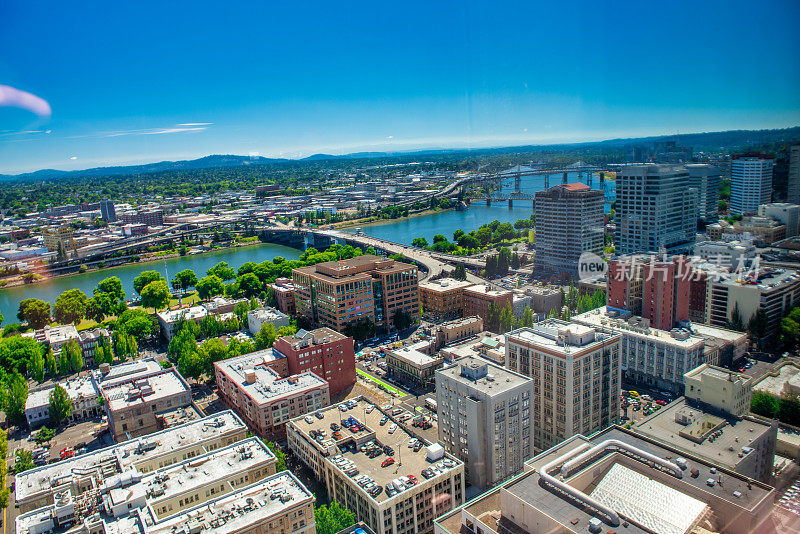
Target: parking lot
x=634, y=408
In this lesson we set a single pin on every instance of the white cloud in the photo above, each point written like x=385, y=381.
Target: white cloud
x=195, y=124
x=175, y=130
x=73, y=157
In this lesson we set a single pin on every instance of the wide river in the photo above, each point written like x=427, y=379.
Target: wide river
x=398, y=230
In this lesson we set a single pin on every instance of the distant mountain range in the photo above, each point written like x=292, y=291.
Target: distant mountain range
x=707, y=141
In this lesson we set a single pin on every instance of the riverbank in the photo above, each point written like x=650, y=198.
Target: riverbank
x=374, y=220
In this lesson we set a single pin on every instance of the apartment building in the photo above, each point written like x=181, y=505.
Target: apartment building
x=751, y=182
x=37, y=487
x=775, y=291
x=133, y=499
x=785, y=213
x=484, y=419
x=706, y=179
x=83, y=392
x=569, y=222
x=261, y=316
x=648, y=355
x=325, y=352
x=443, y=299
x=617, y=481
x=283, y=290
x=718, y=389
x=134, y=404
x=336, y=293
x=576, y=374
x=478, y=299
x=397, y=505
x=148, y=217
x=625, y=282
x=656, y=209
x=263, y=399
x=89, y=340
x=61, y=236
x=457, y=330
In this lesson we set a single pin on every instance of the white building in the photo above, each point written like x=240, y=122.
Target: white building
x=730, y=255
x=576, y=375
x=83, y=392
x=706, y=179
x=719, y=389
x=168, y=319
x=484, y=418
x=751, y=183
x=788, y=214
x=261, y=316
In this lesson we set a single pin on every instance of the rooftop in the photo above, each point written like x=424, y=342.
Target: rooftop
x=263, y=384
x=320, y=336
x=415, y=357
x=193, y=313
x=138, y=367
x=141, y=389
x=128, y=453
x=444, y=284
x=483, y=376
x=60, y=334
x=560, y=337
x=406, y=460
x=267, y=314
x=784, y=378
x=484, y=289
x=606, y=318
x=82, y=387
x=723, y=440
x=767, y=279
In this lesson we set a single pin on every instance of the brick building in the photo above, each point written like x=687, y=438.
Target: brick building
x=323, y=351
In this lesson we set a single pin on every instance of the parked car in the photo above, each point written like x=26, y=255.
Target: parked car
x=387, y=462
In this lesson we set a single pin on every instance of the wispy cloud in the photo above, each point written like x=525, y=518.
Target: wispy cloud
x=178, y=128
x=196, y=124
x=12, y=97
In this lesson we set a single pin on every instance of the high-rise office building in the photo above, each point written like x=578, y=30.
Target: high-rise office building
x=656, y=208
x=793, y=189
x=569, y=222
x=751, y=182
x=576, y=374
x=107, y=211
x=484, y=416
x=706, y=179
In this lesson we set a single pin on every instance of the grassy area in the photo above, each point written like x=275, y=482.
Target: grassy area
x=390, y=388
x=190, y=298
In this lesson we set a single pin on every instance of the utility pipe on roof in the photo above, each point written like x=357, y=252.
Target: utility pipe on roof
x=626, y=449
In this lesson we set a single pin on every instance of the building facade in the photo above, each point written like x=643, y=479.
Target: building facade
x=443, y=299
x=751, y=183
x=785, y=213
x=793, y=190
x=284, y=296
x=325, y=352
x=479, y=298
x=719, y=389
x=706, y=179
x=576, y=374
x=484, y=418
x=412, y=366
x=569, y=222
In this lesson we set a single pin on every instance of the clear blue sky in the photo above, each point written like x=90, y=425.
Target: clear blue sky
x=132, y=82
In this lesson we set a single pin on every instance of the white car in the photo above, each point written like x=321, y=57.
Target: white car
x=370, y=408
x=309, y=419
x=392, y=428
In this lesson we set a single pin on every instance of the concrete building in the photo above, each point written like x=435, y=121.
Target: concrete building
x=263, y=399
x=107, y=211
x=412, y=366
x=793, y=193
x=655, y=209
x=783, y=379
x=338, y=460
x=55, y=337
x=134, y=404
x=544, y=299
x=486, y=345
x=148, y=217
x=751, y=183
x=284, y=296
x=83, y=391
x=775, y=291
x=336, y=293
x=478, y=299
x=456, y=331
x=37, y=487
x=763, y=231
x=718, y=389
x=576, y=375
x=484, y=419
x=625, y=282
x=59, y=236
x=569, y=222
x=728, y=255
x=261, y=316
x=168, y=319
x=744, y=445
x=785, y=213
x=706, y=179
x=617, y=481
x=443, y=299
x=184, y=495
x=325, y=352
x=649, y=356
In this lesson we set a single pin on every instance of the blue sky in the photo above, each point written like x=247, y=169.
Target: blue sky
x=133, y=82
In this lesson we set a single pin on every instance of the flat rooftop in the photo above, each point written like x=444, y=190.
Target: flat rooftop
x=82, y=387
x=145, y=388
x=725, y=449
x=599, y=318
x=128, y=453
x=406, y=460
x=483, y=289
x=318, y=336
x=192, y=313
x=497, y=379
x=250, y=374
x=126, y=370
x=443, y=285
x=415, y=357
x=779, y=382
x=560, y=337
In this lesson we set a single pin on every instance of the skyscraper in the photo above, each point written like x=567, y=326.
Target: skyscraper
x=751, y=182
x=793, y=195
x=107, y=212
x=569, y=222
x=706, y=179
x=656, y=208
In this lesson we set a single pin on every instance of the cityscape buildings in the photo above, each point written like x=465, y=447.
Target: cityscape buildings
x=751, y=182
x=325, y=352
x=706, y=179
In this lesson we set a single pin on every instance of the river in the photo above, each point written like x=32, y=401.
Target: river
x=397, y=230
x=48, y=290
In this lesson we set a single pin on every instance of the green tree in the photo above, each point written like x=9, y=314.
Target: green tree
x=764, y=404
x=402, y=319
x=15, y=395
x=60, y=407
x=460, y=273
x=70, y=306
x=222, y=271
x=527, y=317
x=419, y=242
x=333, y=518
x=23, y=461
x=138, y=323
x=266, y=336
x=507, y=318
x=74, y=355
x=144, y=279
x=280, y=456
x=63, y=363
x=249, y=284
x=111, y=286
x=468, y=241
x=50, y=363
x=44, y=435
x=35, y=312
x=36, y=367
x=155, y=295
x=209, y=286
x=504, y=231
x=185, y=279
x=736, y=322
x=493, y=318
